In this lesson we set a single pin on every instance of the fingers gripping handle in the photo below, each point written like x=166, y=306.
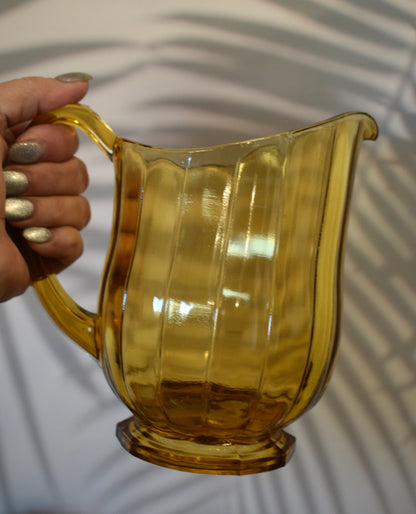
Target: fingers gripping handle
x=85, y=119
x=78, y=323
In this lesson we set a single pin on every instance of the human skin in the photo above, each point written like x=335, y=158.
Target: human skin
x=54, y=179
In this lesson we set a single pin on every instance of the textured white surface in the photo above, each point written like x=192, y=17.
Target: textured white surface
x=186, y=73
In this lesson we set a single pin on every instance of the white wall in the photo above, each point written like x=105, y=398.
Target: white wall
x=186, y=73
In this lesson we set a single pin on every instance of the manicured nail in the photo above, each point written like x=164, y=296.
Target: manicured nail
x=37, y=234
x=25, y=152
x=18, y=209
x=16, y=182
x=75, y=76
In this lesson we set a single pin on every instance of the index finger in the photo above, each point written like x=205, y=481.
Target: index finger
x=23, y=99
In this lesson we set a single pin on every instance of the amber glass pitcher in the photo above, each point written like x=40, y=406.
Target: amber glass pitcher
x=218, y=318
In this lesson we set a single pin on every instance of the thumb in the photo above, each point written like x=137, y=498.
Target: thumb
x=23, y=99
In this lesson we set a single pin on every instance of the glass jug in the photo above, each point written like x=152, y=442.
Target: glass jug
x=219, y=312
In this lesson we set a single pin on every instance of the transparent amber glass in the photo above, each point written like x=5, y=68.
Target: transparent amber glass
x=219, y=312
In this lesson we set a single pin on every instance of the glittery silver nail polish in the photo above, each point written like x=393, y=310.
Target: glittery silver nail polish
x=16, y=182
x=25, y=152
x=18, y=209
x=37, y=234
x=75, y=76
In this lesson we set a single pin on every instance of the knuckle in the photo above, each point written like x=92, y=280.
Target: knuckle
x=74, y=247
x=85, y=211
x=74, y=136
x=83, y=178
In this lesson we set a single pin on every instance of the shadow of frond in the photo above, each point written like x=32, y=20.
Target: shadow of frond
x=277, y=60
x=6, y=503
x=256, y=76
x=7, y=5
x=15, y=59
x=29, y=415
x=71, y=362
x=294, y=77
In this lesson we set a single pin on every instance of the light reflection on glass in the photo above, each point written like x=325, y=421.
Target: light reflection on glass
x=185, y=308
x=255, y=246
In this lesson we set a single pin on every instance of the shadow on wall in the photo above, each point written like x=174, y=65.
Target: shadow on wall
x=268, y=78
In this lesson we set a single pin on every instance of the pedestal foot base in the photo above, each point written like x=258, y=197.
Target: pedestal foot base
x=205, y=455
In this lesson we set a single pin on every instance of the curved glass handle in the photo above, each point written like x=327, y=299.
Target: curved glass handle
x=78, y=323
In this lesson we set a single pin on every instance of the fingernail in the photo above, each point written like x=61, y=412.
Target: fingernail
x=37, y=234
x=75, y=76
x=18, y=209
x=25, y=152
x=16, y=182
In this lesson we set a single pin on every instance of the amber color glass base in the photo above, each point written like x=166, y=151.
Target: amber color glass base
x=205, y=455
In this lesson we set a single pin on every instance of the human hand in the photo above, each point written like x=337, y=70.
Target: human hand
x=41, y=181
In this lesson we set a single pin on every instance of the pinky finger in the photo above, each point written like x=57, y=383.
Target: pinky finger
x=60, y=246
x=37, y=234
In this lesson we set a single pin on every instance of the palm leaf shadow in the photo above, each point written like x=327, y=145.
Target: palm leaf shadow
x=8, y=5
x=237, y=59
x=229, y=62
x=23, y=393
x=277, y=59
x=6, y=503
x=71, y=362
x=15, y=59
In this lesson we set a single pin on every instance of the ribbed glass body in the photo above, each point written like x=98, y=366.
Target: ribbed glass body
x=219, y=311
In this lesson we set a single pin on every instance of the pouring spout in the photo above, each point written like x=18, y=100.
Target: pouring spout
x=369, y=125
x=356, y=120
